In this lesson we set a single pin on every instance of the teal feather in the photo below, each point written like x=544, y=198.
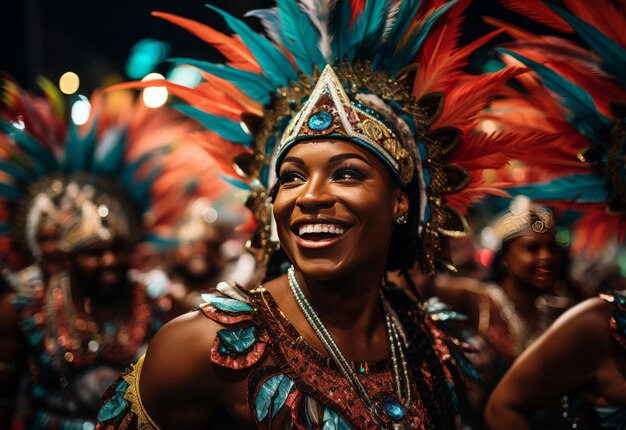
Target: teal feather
x=5, y=228
x=109, y=156
x=236, y=182
x=10, y=192
x=341, y=19
x=274, y=64
x=332, y=421
x=582, y=112
x=271, y=23
x=256, y=86
x=405, y=15
x=19, y=173
x=302, y=36
x=574, y=188
x=42, y=159
x=272, y=394
x=399, y=60
x=226, y=128
x=139, y=189
x=367, y=29
x=79, y=150
x=612, y=53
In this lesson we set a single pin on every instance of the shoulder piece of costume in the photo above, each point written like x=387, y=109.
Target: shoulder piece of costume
x=122, y=407
x=394, y=84
x=577, y=95
x=236, y=346
x=618, y=321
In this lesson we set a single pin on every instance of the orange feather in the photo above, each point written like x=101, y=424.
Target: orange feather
x=236, y=52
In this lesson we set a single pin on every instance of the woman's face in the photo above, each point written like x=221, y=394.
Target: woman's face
x=335, y=208
x=535, y=259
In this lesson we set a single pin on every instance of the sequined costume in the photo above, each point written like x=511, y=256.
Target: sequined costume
x=68, y=370
x=287, y=378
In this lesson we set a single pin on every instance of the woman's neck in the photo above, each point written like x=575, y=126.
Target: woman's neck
x=348, y=303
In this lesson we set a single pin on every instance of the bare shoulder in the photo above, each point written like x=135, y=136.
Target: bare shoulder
x=588, y=320
x=177, y=377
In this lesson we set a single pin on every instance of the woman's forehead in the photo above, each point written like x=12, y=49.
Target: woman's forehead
x=327, y=149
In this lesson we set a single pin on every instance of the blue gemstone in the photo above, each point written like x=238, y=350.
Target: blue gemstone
x=393, y=409
x=320, y=121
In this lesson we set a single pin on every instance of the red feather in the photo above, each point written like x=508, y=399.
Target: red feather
x=232, y=48
x=538, y=11
x=607, y=17
x=470, y=96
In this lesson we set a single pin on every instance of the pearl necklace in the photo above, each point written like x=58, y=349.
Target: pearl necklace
x=389, y=406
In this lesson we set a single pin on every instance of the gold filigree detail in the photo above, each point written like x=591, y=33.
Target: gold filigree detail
x=144, y=421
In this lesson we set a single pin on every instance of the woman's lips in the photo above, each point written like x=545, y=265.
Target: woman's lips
x=319, y=235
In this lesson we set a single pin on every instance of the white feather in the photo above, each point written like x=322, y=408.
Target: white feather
x=271, y=23
x=392, y=15
x=319, y=12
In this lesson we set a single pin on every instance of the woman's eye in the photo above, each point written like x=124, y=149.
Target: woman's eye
x=289, y=177
x=347, y=173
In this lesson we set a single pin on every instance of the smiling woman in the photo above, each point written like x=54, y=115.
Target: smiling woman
x=361, y=150
x=335, y=197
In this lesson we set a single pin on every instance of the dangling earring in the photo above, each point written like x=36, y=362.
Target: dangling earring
x=401, y=220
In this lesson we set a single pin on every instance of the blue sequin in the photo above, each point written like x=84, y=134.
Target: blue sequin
x=393, y=408
x=237, y=340
x=320, y=121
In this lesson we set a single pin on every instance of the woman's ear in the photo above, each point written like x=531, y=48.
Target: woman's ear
x=401, y=204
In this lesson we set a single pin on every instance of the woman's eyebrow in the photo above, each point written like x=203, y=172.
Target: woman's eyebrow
x=295, y=160
x=341, y=157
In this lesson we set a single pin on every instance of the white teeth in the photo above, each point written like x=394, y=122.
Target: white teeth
x=320, y=228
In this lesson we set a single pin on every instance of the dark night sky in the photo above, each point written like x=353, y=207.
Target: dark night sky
x=93, y=38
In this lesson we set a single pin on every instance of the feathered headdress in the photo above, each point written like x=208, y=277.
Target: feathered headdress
x=115, y=174
x=578, y=95
x=404, y=53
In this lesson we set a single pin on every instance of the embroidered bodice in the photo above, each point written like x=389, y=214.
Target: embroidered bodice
x=291, y=383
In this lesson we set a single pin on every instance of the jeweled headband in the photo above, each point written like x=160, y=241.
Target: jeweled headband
x=94, y=212
x=329, y=113
x=522, y=217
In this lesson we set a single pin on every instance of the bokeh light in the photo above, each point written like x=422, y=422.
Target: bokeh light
x=563, y=236
x=144, y=57
x=81, y=109
x=154, y=97
x=69, y=83
x=186, y=76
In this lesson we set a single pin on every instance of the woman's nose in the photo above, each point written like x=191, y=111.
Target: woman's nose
x=315, y=195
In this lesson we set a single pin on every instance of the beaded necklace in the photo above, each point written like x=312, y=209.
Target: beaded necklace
x=80, y=340
x=391, y=406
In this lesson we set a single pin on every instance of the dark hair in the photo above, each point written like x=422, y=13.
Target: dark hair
x=404, y=250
